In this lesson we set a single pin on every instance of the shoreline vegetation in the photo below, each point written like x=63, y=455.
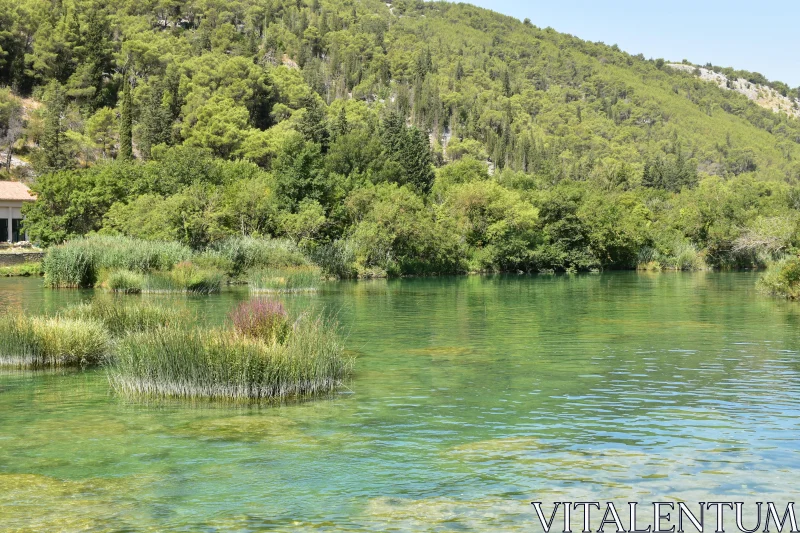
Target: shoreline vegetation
x=23, y=270
x=155, y=351
x=782, y=279
x=126, y=265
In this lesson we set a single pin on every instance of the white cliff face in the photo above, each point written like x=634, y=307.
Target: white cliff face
x=762, y=95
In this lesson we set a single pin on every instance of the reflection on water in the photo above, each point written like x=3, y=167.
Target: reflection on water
x=471, y=397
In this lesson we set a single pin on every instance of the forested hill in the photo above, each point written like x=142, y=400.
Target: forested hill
x=406, y=137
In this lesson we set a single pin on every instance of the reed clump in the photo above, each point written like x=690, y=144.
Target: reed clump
x=290, y=279
x=125, y=282
x=782, y=279
x=77, y=263
x=185, y=277
x=221, y=364
x=39, y=342
x=129, y=317
x=247, y=253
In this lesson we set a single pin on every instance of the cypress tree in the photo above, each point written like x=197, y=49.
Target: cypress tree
x=126, y=122
x=55, y=156
x=313, y=125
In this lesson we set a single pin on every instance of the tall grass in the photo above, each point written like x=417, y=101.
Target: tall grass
x=291, y=279
x=185, y=277
x=125, y=282
x=121, y=318
x=76, y=263
x=246, y=253
x=680, y=256
x=782, y=279
x=35, y=342
x=220, y=365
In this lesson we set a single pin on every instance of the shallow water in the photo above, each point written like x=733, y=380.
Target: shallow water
x=471, y=397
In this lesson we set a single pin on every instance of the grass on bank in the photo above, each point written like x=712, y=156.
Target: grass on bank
x=290, y=279
x=782, y=279
x=40, y=342
x=243, y=364
x=22, y=270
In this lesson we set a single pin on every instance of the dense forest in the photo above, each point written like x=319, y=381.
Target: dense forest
x=403, y=138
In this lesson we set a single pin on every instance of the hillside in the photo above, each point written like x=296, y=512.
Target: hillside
x=408, y=137
x=763, y=95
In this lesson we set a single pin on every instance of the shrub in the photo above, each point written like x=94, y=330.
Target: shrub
x=51, y=342
x=220, y=365
x=246, y=253
x=121, y=318
x=261, y=319
x=337, y=259
x=782, y=279
x=293, y=279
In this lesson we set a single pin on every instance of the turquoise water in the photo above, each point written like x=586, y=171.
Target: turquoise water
x=471, y=397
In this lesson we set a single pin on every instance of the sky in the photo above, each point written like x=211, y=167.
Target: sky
x=756, y=36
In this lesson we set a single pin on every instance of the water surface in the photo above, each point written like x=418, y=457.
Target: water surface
x=471, y=397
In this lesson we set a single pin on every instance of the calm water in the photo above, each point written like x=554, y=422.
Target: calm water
x=471, y=397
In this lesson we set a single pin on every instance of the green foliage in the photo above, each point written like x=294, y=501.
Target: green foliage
x=126, y=121
x=36, y=342
x=782, y=279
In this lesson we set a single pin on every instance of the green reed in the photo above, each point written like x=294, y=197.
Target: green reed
x=34, y=342
x=223, y=364
x=120, y=318
x=290, y=279
x=77, y=263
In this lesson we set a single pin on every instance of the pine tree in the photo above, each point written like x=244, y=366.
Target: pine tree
x=52, y=143
x=126, y=122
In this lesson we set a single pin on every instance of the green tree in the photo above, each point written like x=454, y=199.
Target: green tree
x=126, y=121
x=53, y=144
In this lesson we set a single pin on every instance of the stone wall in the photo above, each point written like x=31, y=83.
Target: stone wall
x=18, y=259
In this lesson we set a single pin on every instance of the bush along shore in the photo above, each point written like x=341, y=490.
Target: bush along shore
x=154, y=351
x=782, y=279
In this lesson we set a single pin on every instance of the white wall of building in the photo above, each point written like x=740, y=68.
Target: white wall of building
x=9, y=210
